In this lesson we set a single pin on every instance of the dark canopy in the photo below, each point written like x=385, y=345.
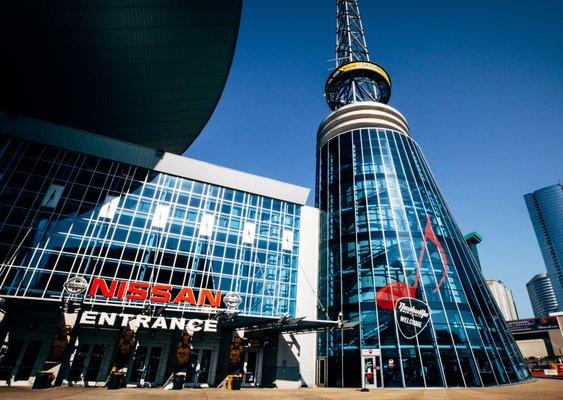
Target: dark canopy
x=145, y=71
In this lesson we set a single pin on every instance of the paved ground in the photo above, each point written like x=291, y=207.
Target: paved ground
x=540, y=390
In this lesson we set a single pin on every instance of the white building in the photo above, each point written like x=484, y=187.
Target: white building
x=503, y=297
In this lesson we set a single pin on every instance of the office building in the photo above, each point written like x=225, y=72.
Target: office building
x=545, y=207
x=394, y=264
x=542, y=296
x=504, y=299
x=173, y=241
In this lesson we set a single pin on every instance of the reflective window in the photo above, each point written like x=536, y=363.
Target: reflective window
x=66, y=214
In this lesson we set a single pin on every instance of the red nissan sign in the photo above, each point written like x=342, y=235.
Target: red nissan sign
x=156, y=293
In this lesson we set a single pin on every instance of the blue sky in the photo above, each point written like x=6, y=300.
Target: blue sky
x=480, y=82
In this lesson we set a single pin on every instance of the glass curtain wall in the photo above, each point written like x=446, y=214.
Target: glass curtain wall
x=68, y=214
x=387, y=233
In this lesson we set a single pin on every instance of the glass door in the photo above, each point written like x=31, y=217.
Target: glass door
x=321, y=371
x=204, y=365
x=27, y=360
x=250, y=367
x=138, y=366
x=9, y=358
x=92, y=373
x=198, y=369
x=153, y=362
x=369, y=371
x=145, y=365
x=87, y=362
x=191, y=372
x=79, y=362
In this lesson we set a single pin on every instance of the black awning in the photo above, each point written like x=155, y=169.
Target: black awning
x=140, y=71
x=285, y=325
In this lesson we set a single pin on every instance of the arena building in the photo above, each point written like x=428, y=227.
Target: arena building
x=119, y=259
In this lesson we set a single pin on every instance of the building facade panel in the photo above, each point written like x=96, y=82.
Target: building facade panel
x=67, y=214
x=157, y=247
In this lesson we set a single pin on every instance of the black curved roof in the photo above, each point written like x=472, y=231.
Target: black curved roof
x=144, y=71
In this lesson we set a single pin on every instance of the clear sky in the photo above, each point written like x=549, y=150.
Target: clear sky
x=480, y=82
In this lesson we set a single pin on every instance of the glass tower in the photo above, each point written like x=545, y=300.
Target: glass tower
x=542, y=296
x=545, y=207
x=394, y=265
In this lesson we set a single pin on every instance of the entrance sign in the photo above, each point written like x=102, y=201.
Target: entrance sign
x=412, y=316
x=148, y=322
x=155, y=293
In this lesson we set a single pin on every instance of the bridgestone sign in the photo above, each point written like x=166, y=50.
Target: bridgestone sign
x=412, y=316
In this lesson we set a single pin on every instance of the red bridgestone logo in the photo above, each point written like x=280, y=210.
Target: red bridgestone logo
x=156, y=293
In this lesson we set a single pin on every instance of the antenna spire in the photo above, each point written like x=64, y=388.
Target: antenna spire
x=356, y=78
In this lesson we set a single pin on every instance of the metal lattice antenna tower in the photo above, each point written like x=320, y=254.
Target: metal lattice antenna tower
x=350, y=37
x=355, y=78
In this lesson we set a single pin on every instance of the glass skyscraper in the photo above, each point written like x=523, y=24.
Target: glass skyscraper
x=542, y=296
x=545, y=207
x=394, y=265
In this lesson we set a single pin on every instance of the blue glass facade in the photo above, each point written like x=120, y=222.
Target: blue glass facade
x=387, y=233
x=545, y=207
x=542, y=296
x=67, y=214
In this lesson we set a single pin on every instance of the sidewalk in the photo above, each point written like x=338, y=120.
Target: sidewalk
x=539, y=390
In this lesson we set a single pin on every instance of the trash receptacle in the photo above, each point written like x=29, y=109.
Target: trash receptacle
x=43, y=380
x=237, y=381
x=178, y=381
x=116, y=380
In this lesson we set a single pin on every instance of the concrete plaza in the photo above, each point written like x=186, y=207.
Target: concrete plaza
x=538, y=390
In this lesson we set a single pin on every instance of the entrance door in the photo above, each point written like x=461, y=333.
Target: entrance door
x=252, y=367
x=370, y=371
x=23, y=356
x=145, y=365
x=199, y=365
x=86, y=363
x=92, y=373
x=322, y=371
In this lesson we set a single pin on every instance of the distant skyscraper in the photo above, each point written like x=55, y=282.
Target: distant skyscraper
x=503, y=297
x=546, y=212
x=473, y=239
x=542, y=297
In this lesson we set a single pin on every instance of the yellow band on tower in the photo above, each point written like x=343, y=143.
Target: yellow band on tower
x=365, y=65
